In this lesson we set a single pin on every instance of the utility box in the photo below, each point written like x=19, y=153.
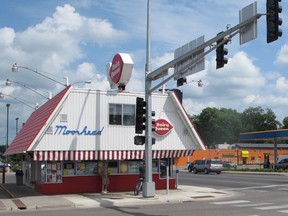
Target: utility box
x=19, y=177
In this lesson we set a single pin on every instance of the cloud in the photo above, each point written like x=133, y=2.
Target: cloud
x=282, y=56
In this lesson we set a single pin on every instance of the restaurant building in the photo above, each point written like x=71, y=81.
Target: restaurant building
x=66, y=139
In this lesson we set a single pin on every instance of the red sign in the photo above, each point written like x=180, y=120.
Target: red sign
x=162, y=127
x=116, y=68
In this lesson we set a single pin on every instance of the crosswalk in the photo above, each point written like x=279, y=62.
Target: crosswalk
x=280, y=208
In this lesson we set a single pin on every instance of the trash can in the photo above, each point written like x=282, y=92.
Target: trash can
x=19, y=177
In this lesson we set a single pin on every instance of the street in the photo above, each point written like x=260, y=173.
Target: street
x=254, y=194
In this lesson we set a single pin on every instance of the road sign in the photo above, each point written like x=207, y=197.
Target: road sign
x=248, y=32
x=199, y=66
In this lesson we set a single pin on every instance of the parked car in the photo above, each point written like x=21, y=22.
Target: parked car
x=229, y=164
x=282, y=164
x=2, y=164
x=191, y=165
x=207, y=166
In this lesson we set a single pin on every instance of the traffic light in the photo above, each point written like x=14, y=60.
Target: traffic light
x=139, y=140
x=140, y=115
x=181, y=81
x=153, y=121
x=221, y=60
x=273, y=21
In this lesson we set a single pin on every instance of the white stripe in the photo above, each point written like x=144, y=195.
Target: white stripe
x=230, y=202
x=271, y=207
x=252, y=204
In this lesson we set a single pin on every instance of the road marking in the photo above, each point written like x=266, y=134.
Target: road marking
x=252, y=204
x=230, y=202
x=271, y=207
x=255, y=187
x=284, y=211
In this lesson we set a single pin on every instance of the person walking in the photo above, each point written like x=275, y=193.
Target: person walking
x=104, y=175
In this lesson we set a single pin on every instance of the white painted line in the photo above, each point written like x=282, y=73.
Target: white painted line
x=252, y=204
x=271, y=207
x=231, y=202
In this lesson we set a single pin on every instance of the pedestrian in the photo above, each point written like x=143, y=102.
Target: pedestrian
x=142, y=171
x=104, y=175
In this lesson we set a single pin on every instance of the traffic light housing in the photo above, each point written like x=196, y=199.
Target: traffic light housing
x=273, y=21
x=140, y=115
x=221, y=52
x=181, y=81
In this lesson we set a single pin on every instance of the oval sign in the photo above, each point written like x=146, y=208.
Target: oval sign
x=162, y=127
x=116, y=68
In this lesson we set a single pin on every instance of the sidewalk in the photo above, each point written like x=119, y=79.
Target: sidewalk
x=24, y=197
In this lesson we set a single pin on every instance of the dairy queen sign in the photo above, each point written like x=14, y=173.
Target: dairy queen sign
x=162, y=127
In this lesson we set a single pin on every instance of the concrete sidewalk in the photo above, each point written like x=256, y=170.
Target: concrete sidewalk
x=25, y=198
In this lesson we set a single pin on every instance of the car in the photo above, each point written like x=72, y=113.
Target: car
x=2, y=164
x=229, y=164
x=191, y=165
x=207, y=166
x=282, y=164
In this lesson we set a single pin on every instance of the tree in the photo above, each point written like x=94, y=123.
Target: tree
x=258, y=119
x=218, y=125
x=285, y=123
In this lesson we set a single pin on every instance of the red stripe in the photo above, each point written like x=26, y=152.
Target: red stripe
x=107, y=155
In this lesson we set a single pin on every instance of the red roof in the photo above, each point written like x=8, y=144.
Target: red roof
x=34, y=124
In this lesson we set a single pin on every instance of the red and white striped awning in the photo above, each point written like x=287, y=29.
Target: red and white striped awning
x=107, y=155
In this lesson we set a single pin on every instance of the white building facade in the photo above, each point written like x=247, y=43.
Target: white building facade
x=65, y=141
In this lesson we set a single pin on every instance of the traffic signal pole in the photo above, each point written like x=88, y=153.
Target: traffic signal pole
x=194, y=56
x=149, y=185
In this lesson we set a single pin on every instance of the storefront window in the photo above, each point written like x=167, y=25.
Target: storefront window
x=68, y=168
x=54, y=171
x=121, y=114
x=87, y=168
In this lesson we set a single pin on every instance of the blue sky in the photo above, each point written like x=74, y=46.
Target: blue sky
x=77, y=38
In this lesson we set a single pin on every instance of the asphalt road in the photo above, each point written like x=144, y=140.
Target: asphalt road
x=254, y=195
x=231, y=180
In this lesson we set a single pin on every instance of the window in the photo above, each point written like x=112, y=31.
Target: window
x=121, y=114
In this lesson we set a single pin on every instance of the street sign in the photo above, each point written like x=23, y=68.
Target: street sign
x=199, y=66
x=248, y=32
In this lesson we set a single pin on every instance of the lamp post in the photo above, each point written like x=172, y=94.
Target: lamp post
x=2, y=96
x=84, y=82
x=7, y=132
x=15, y=68
x=16, y=125
x=9, y=83
x=200, y=83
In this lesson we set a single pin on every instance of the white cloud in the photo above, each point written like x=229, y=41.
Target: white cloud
x=282, y=56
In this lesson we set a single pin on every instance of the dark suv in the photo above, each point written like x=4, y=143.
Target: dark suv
x=207, y=166
x=282, y=164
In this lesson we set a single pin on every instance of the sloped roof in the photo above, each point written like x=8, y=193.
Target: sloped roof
x=34, y=124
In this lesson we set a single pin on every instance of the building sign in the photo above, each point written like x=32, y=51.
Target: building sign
x=120, y=70
x=62, y=129
x=162, y=127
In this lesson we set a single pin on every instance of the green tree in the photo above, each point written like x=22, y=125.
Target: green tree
x=218, y=125
x=285, y=123
x=258, y=119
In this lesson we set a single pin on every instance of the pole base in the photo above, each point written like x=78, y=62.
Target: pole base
x=148, y=189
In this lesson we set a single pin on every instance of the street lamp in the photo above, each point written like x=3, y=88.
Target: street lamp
x=200, y=83
x=16, y=125
x=9, y=83
x=15, y=68
x=7, y=134
x=2, y=96
x=85, y=82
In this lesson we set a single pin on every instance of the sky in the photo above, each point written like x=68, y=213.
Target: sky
x=77, y=38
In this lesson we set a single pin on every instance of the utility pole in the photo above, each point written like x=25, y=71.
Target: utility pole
x=149, y=185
